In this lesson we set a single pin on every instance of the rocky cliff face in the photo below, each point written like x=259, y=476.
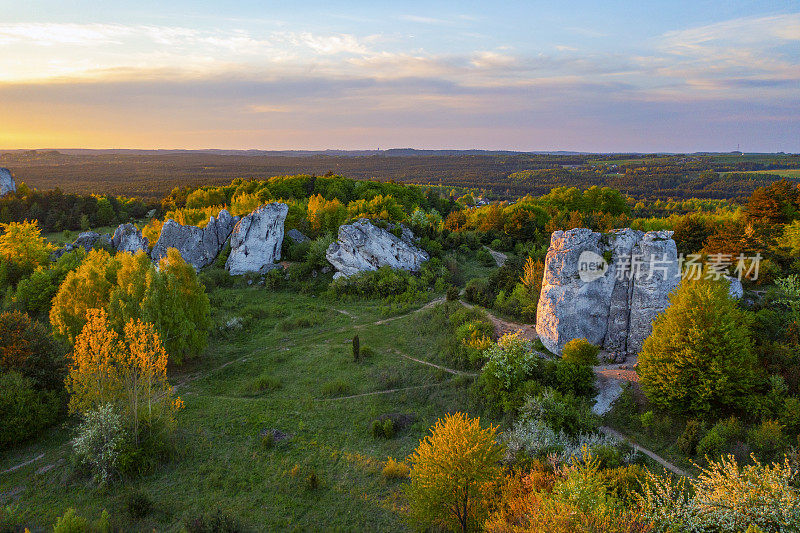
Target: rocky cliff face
x=256, y=240
x=363, y=246
x=197, y=246
x=7, y=183
x=128, y=238
x=606, y=288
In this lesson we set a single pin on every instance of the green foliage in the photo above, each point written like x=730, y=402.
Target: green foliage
x=560, y=412
x=335, y=388
x=130, y=287
x=690, y=438
x=580, y=351
x=99, y=441
x=24, y=409
x=699, y=356
x=71, y=522
x=767, y=440
x=138, y=504
x=477, y=292
x=216, y=521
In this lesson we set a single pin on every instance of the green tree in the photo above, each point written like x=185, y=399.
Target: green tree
x=699, y=355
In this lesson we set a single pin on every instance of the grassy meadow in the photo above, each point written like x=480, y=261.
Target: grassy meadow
x=290, y=368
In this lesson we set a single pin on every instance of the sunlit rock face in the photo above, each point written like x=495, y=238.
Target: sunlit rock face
x=363, y=246
x=88, y=240
x=129, y=238
x=198, y=246
x=257, y=239
x=7, y=183
x=605, y=287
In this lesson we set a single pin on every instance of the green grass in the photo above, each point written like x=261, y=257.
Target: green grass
x=289, y=379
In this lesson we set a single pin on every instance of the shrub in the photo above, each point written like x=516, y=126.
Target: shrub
x=217, y=521
x=690, y=438
x=395, y=469
x=22, y=248
x=452, y=293
x=485, y=258
x=335, y=388
x=699, y=355
x=767, y=440
x=712, y=445
x=138, y=504
x=510, y=363
x=560, y=412
x=580, y=352
x=27, y=347
x=453, y=474
x=477, y=292
x=24, y=409
x=100, y=439
x=573, y=378
x=71, y=522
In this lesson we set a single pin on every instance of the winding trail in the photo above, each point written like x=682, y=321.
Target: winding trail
x=652, y=455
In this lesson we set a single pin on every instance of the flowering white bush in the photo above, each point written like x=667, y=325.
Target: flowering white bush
x=535, y=438
x=727, y=498
x=100, y=438
x=511, y=359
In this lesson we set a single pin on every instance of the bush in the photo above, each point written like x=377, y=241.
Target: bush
x=138, y=504
x=574, y=379
x=580, y=352
x=100, y=439
x=395, y=469
x=217, y=521
x=690, y=438
x=24, y=409
x=485, y=258
x=712, y=445
x=767, y=440
x=27, y=347
x=71, y=522
x=477, y=292
x=452, y=293
x=560, y=412
x=510, y=363
x=699, y=356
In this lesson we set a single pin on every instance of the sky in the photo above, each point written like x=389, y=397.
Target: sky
x=611, y=76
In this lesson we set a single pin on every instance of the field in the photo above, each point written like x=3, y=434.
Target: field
x=289, y=369
x=790, y=173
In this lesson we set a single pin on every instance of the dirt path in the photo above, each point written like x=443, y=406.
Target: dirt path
x=428, y=305
x=444, y=368
x=503, y=327
x=20, y=465
x=390, y=391
x=652, y=455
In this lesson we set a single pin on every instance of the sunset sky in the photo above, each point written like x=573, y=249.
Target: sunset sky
x=592, y=76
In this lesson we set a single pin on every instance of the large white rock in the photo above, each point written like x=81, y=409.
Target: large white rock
x=363, y=246
x=605, y=288
x=198, y=246
x=257, y=239
x=7, y=183
x=88, y=240
x=129, y=238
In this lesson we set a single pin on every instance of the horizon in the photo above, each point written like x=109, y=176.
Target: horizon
x=710, y=77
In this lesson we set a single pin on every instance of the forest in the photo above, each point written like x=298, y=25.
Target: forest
x=153, y=396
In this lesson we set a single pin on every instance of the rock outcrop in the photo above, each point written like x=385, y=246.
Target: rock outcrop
x=606, y=288
x=87, y=240
x=735, y=288
x=198, y=246
x=363, y=246
x=256, y=240
x=296, y=236
x=129, y=238
x=7, y=183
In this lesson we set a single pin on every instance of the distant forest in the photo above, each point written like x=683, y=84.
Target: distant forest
x=502, y=175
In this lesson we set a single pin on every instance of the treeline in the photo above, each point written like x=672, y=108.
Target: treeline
x=56, y=211
x=505, y=176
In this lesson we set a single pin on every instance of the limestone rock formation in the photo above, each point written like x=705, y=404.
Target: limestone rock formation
x=197, y=246
x=606, y=288
x=87, y=240
x=7, y=183
x=296, y=236
x=129, y=238
x=257, y=239
x=735, y=288
x=363, y=246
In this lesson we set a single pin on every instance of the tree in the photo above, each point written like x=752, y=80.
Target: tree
x=22, y=248
x=130, y=287
x=699, y=355
x=129, y=371
x=454, y=472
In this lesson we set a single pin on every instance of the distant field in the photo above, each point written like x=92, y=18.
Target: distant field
x=793, y=173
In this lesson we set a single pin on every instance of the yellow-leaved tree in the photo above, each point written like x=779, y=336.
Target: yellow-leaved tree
x=129, y=286
x=22, y=249
x=129, y=371
x=455, y=474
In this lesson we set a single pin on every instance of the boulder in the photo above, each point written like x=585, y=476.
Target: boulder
x=129, y=238
x=296, y=236
x=7, y=184
x=605, y=288
x=363, y=246
x=198, y=246
x=257, y=239
x=87, y=240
